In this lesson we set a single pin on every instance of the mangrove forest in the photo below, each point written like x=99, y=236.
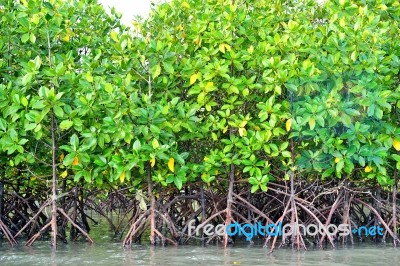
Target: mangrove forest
x=206, y=112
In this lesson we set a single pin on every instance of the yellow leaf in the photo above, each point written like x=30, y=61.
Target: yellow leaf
x=197, y=41
x=61, y=157
x=396, y=144
x=193, y=78
x=64, y=174
x=257, y=128
x=222, y=48
x=155, y=144
x=382, y=7
x=368, y=169
x=243, y=123
x=165, y=110
x=205, y=159
x=342, y=22
x=152, y=162
x=288, y=124
x=89, y=77
x=337, y=159
x=353, y=56
x=114, y=36
x=171, y=164
x=185, y=5
x=242, y=131
x=76, y=161
x=122, y=177
x=225, y=129
x=361, y=10
x=209, y=84
x=66, y=38
x=311, y=123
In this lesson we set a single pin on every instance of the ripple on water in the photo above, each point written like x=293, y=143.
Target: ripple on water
x=114, y=254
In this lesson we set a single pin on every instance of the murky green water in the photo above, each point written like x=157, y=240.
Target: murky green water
x=114, y=254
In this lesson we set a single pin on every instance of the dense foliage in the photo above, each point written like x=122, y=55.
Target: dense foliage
x=200, y=91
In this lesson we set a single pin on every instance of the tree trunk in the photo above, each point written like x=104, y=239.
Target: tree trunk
x=203, y=215
x=85, y=223
x=394, y=213
x=73, y=231
x=2, y=196
x=54, y=187
x=377, y=204
x=228, y=219
x=152, y=207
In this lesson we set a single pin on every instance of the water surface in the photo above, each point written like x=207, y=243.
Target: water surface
x=114, y=254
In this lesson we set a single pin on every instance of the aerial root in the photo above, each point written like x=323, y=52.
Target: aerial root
x=90, y=240
x=7, y=233
x=35, y=236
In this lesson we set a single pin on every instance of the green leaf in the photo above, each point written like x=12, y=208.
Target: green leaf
x=327, y=173
x=169, y=68
x=136, y=145
x=69, y=159
x=339, y=166
x=74, y=141
x=27, y=79
x=264, y=188
x=114, y=36
x=178, y=183
x=108, y=87
x=3, y=124
x=89, y=77
x=58, y=111
x=155, y=144
x=32, y=38
x=154, y=129
x=24, y=102
x=25, y=37
x=155, y=71
x=66, y=124
x=254, y=188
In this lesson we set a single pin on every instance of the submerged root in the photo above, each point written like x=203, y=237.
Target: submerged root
x=379, y=217
x=32, y=239
x=7, y=233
